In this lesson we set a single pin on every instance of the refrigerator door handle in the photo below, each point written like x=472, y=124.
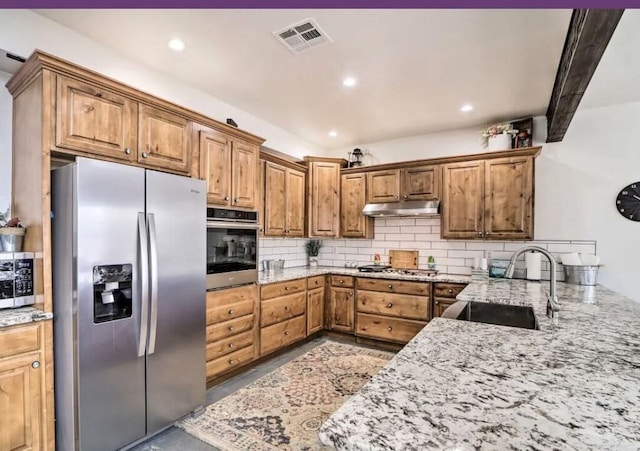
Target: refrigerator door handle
x=153, y=262
x=144, y=282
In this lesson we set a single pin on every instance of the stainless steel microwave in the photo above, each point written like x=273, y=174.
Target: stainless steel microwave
x=232, y=247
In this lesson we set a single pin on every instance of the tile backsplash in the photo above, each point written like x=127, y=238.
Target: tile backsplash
x=423, y=235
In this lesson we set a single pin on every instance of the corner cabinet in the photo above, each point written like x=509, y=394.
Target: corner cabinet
x=353, y=197
x=230, y=168
x=488, y=199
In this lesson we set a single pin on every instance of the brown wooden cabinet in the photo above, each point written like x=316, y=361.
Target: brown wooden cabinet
x=353, y=224
x=323, y=196
x=232, y=329
x=490, y=199
x=22, y=389
x=444, y=295
x=283, y=314
x=284, y=195
x=230, y=168
x=341, y=309
x=383, y=186
x=163, y=139
x=420, y=183
x=315, y=310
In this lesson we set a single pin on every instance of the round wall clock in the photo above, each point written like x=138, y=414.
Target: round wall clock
x=628, y=202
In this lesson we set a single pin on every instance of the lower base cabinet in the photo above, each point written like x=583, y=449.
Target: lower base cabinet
x=282, y=334
x=444, y=295
x=341, y=309
x=387, y=328
x=315, y=310
x=283, y=317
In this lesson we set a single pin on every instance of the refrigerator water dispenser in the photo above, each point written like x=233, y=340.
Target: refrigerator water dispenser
x=111, y=292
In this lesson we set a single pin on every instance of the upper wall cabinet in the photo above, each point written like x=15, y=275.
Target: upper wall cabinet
x=323, y=196
x=230, y=168
x=489, y=199
x=353, y=224
x=284, y=200
x=92, y=119
x=414, y=183
x=163, y=140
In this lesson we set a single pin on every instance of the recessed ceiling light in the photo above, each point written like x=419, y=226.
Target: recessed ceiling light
x=333, y=133
x=349, y=82
x=466, y=108
x=176, y=44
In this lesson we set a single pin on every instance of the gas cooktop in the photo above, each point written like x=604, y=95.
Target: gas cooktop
x=405, y=272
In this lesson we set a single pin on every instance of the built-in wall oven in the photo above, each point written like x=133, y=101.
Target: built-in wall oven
x=232, y=247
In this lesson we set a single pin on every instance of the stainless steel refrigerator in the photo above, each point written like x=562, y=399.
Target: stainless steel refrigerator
x=129, y=269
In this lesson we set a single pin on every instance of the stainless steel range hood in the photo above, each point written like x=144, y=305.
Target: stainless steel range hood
x=407, y=208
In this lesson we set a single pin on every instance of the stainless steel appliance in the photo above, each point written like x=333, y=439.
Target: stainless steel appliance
x=404, y=208
x=129, y=298
x=16, y=279
x=232, y=247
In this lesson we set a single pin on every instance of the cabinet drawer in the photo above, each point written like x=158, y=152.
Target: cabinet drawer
x=226, y=329
x=342, y=281
x=385, y=328
x=447, y=290
x=315, y=282
x=229, y=361
x=227, y=345
x=224, y=305
x=393, y=286
x=282, y=308
x=390, y=304
x=274, y=290
x=19, y=339
x=282, y=334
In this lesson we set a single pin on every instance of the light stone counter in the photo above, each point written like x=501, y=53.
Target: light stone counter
x=265, y=277
x=22, y=315
x=574, y=384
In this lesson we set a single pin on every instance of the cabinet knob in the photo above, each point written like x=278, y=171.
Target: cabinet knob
x=230, y=328
x=231, y=345
x=144, y=154
x=406, y=196
x=450, y=290
x=487, y=233
x=286, y=332
x=230, y=312
x=317, y=282
x=480, y=233
x=342, y=281
x=232, y=362
x=389, y=328
x=226, y=197
x=436, y=302
x=390, y=286
x=395, y=197
x=389, y=305
x=286, y=308
x=286, y=288
x=127, y=151
x=236, y=199
x=98, y=94
x=35, y=364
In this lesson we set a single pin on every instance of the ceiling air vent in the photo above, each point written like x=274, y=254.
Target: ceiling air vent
x=302, y=36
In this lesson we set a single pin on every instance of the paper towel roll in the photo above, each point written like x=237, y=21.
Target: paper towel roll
x=533, y=264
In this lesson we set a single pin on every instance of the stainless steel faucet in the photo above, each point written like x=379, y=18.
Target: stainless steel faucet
x=553, y=308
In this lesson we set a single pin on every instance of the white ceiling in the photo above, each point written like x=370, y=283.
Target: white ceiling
x=415, y=68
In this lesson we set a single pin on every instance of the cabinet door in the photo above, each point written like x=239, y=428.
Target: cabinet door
x=509, y=198
x=353, y=224
x=324, y=200
x=260, y=195
x=295, y=203
x=244, y=177
x=274, y=199
x=463, y=200
x=315, y=310
x=163, y=140
x=440, y=305
x=20, y=403
x=215, y=160
x=342, y=310
x=91, y=119
x=383, y=186
x=422, y=183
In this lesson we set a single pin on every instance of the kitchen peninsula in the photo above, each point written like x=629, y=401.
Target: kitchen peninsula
x=463, y=385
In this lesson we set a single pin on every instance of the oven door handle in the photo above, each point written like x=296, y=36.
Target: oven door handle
x=232, y=225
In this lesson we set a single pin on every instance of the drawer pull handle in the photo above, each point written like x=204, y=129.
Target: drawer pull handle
x=232, y=362
x=231, y=345
x=389, y=305
x=389, y=328
x=230, y=311
x=286, y=332
x=230, y=328
x=390, y=286
x=35, y=364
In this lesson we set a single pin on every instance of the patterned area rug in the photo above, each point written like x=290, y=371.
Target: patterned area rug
x=284, y=409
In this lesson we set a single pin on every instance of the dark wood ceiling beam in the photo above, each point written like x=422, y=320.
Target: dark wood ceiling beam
x=589, y=33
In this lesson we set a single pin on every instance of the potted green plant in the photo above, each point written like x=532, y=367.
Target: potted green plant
x=499, y=137
x=431, y=262
x=313, y=249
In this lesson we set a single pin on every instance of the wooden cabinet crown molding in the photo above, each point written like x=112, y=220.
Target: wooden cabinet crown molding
x=39, y=61
x=523, y=152
x=313, y=159
x=282, y=160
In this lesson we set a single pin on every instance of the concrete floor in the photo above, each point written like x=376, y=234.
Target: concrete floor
x=174, y=438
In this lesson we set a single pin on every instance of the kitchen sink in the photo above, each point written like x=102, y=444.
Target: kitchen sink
x=499, y=314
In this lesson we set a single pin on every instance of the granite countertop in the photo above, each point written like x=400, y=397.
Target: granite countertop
x=573, y=384
x=265, y=277
x=22, y=315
